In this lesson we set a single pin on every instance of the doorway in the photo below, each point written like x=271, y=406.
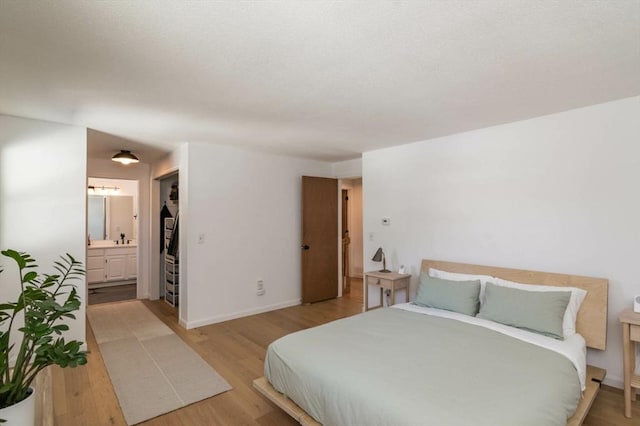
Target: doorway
x=320, y=252
x=352, y=242
x=169, y=273
x=331, y=238
x=112, y=239
x=346, y=242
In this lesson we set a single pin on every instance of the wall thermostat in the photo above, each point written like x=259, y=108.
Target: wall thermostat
x=636, y=304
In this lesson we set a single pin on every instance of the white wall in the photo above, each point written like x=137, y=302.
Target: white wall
x=347, y=169
x=247, y=205
x=125, y=187
x=43, y=175
x=557, y=193
x=168, y=164
x=107, y=169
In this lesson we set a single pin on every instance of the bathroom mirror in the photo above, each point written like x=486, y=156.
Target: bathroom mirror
x=109, y=216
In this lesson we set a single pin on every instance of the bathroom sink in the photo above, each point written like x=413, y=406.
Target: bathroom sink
x=110, y=243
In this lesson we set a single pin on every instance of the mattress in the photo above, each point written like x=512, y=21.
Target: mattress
x=408, y=365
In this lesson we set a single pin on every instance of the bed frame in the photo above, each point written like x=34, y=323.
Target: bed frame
x=591, y=324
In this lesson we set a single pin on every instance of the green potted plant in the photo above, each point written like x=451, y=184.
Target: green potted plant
x=42, y=305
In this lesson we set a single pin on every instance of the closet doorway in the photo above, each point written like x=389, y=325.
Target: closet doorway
x=169, y=283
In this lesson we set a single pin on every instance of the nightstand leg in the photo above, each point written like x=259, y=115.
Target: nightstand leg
x=632, y=367
x=366, y=294
x=393, y=295
x=626, y=340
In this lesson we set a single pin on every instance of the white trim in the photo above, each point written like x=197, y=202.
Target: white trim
x=172, y=171
x=226, y=317
x=113, y=284
x=340, y=254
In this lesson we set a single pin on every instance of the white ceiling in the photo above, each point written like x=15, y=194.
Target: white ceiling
x=325, y=80
x=104, y=145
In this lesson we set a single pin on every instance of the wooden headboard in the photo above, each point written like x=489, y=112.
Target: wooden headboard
x=592, y=317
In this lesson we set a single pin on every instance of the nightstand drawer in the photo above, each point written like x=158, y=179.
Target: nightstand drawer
x=635, y=332
x=403, y=283
x=376, y=281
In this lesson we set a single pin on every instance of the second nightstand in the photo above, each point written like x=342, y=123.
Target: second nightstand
x=630, y=333
x=385, y=280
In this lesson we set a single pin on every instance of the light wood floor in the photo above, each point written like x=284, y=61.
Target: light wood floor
x=236, y=349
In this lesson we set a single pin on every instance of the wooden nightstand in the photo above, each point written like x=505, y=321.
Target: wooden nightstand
x=630, y=333
x=385, y=280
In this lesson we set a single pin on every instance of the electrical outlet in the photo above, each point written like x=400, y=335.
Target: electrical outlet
x=260, y=291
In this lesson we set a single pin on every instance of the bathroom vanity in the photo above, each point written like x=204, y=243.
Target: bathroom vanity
x=109, y=264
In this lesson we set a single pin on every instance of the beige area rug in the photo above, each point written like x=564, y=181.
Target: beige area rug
x=152, y=370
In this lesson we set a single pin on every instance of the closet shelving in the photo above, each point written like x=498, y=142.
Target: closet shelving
x=171, y=265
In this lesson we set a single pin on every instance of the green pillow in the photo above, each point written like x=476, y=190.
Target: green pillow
x=537, y=311
x=456, y=296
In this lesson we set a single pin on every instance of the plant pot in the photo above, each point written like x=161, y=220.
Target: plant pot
x=21, y=414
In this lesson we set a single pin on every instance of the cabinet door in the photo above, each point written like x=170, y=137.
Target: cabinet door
x=95, y=262
x=95, y=269
x=116, y=267
x=132, y=266
x=95, y=275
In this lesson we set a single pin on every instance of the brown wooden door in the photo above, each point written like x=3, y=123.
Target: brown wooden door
x=319, y=239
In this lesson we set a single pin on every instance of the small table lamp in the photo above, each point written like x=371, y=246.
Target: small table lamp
x=379, y=256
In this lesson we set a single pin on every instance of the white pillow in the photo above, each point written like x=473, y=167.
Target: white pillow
x=570, y=314
x=456, y=276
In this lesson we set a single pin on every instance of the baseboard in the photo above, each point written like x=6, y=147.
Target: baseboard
x=239, y=314
x=614, y=382
x=92, y=286
x=183, y=323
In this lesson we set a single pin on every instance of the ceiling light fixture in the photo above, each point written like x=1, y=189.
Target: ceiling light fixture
x=125, y=157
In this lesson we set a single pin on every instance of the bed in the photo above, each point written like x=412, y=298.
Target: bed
x=415, y=365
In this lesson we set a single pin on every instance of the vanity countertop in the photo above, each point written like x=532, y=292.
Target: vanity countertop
x=109, y=244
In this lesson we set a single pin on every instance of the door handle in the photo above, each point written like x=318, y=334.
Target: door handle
x=304, y=247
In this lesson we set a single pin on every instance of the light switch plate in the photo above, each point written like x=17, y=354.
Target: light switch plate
x=636, y=304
